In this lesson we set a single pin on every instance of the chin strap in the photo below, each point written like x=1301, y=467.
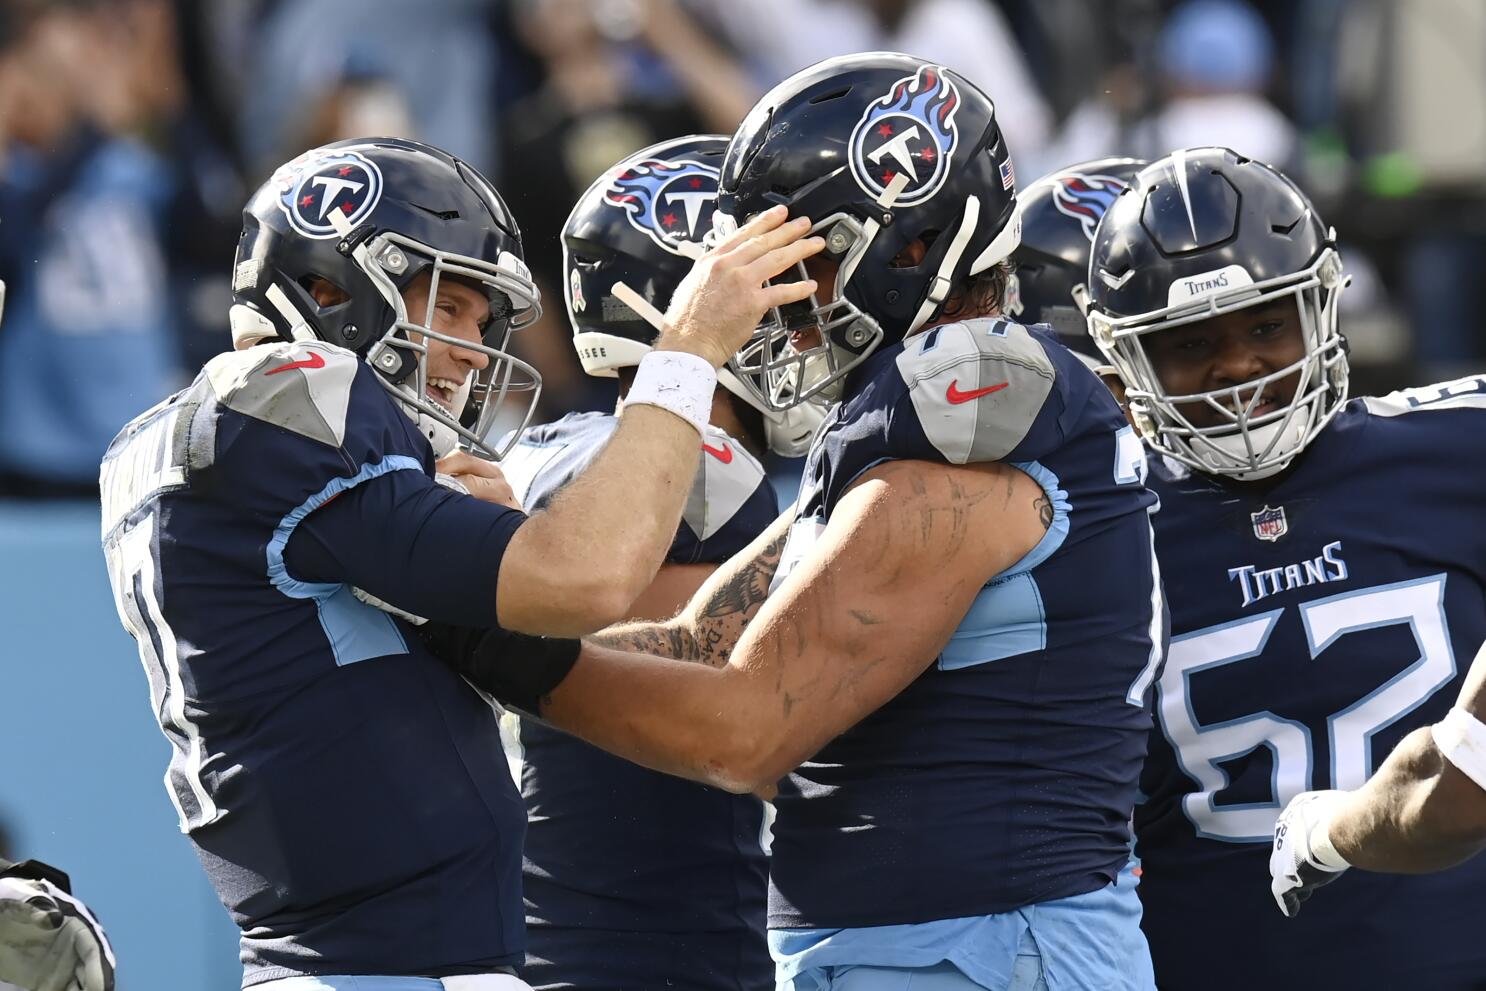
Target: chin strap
x=939, y=289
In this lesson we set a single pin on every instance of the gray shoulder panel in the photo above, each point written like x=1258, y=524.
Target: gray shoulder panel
x=304, y=387
x=976, y=386
x=727, y=476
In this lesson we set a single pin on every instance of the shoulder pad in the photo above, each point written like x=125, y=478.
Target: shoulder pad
x=1468, y=392
x=976, y=386
x=304, y=387
x=726, y=478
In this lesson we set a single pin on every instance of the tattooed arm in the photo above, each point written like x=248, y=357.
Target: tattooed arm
x=709, y=627
x=906, y=551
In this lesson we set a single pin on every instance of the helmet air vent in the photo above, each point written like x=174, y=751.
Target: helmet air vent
x=827, y=97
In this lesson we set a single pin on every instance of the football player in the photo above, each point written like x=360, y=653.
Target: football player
x=1060, y=213
x=944, y=648
x=1322, y=559
x=347, y=795
x=636, y=879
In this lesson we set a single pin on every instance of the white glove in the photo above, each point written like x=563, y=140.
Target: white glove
x=49, y=941
x=1303, y=858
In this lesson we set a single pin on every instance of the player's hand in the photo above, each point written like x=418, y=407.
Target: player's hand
x=1294, y=869
x=49, y=941
x=478, y=477
x=716, y=307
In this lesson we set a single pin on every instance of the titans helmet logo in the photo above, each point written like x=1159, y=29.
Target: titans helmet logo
x=671, y=202
x=320, y=181
x=910, y=131
x=1085, y=198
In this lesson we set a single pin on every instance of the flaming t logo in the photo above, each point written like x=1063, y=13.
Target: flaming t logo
x=320, y=181
x=1085, y=198
x=911, y=130
x=671, y=202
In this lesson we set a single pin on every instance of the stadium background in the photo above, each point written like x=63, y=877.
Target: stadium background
x=131, y=132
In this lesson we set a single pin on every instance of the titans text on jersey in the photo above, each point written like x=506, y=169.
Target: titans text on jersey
x=1317, y=618
x=630, y=873
x=345, y=792
x=1004, y=775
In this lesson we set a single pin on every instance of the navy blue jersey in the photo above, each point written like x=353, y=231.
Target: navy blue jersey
x=1317, y=618
x=636, y=879
x=1004, y=775
x=346, y=793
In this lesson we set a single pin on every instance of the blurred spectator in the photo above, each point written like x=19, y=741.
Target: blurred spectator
x=88, y=339
x=1406, y=75
x=437, y=56
x=1215, y=59
x=617, y=75
x=780, y=37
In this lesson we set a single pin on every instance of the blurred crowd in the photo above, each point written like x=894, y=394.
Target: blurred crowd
x=132, y=131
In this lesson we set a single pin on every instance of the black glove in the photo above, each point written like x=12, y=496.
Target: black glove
x=519, y=670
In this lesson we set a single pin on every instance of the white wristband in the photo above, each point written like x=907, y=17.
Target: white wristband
x=1461, y=739
x=676, y=381
x=1323, y=851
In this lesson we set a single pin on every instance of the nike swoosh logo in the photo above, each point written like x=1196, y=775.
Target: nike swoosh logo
x=723, y=454
x=955, y=396
x=313, y=361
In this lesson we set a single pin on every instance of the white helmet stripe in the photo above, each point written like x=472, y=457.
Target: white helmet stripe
x=1179, y=163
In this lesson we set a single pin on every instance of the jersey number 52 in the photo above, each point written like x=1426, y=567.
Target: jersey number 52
x=1202, y=749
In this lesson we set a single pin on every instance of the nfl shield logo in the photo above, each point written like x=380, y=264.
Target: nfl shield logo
x=1269, y=524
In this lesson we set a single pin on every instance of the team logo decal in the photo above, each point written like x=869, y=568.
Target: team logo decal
x=909, y=131
x=318, y=182
x=1085, y=198
x=1269, y=524
x=1011, y=300
x=575, y=291
x=671, y=202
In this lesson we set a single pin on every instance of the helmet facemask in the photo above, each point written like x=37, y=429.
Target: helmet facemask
x=1242, y=446
x=781, y=373
x=775, y=371
x=400, y=355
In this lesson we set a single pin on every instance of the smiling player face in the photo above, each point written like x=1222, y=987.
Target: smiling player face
x=1227, y=351
x=462, y=312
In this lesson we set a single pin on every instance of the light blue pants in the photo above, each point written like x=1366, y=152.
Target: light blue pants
x=1026, y=975
x=348, y=982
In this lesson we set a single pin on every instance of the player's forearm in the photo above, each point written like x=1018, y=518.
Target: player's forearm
x=1413, y=817
x=709, y=627
x=678, y=718
x=580, y=564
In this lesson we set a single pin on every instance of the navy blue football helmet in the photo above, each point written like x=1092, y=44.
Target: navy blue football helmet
x=1200, y=233
x=1060, y=213
x=878, y=149
x=642, y=224
x=368, y=216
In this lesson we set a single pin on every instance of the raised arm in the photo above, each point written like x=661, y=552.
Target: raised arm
x=581, y=563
